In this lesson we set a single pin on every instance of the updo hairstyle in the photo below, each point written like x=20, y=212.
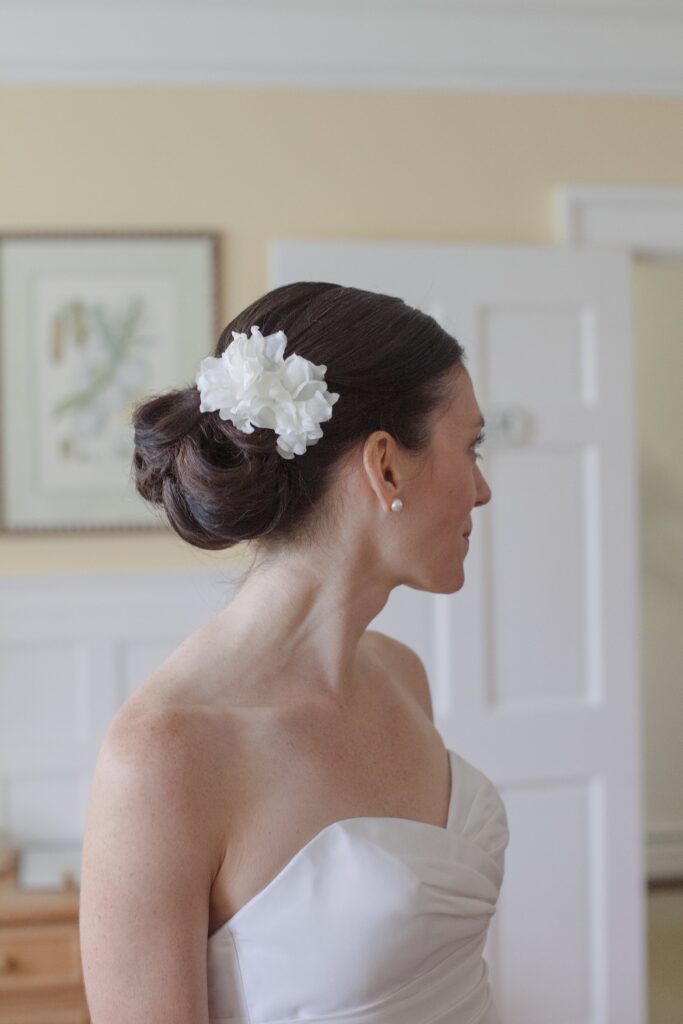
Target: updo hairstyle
x=219, y=486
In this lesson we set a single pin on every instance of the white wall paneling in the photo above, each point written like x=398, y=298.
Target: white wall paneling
x=71, y=650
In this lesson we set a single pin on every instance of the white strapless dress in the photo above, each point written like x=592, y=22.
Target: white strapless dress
x=374, y=921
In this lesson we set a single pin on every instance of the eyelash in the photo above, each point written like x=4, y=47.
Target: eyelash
x=480, y=440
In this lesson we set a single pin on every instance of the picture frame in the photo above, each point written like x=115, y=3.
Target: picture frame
x=90, y=323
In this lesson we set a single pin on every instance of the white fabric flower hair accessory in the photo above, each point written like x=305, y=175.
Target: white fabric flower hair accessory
x=252, y=385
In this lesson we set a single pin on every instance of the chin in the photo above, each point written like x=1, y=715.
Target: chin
x=457, y=585
x=452, y=585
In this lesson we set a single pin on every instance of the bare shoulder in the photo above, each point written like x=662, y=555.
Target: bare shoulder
x=406, y=664
x=147, y=730
x=151, y=850
x=166, y=752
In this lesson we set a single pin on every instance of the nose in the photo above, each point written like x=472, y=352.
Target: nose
x=483, y=489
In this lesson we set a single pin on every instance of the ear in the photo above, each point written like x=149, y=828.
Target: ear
x=381, y=464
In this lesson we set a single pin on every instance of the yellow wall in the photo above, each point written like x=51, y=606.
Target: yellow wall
x=253, y=164
x=658, y=317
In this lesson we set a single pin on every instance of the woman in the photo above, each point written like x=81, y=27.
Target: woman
x=276, y=831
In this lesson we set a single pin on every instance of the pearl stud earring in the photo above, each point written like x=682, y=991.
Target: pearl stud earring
x=396, y=505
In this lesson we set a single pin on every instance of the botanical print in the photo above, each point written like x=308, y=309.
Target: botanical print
x=103, y=342
x=91, y=324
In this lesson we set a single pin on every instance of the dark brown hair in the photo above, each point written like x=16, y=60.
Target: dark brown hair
x=219, y=486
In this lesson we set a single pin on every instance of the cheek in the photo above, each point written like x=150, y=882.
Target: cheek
x=451, y=501
x=463, y=492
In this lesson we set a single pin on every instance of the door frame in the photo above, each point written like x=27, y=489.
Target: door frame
x=647, y=222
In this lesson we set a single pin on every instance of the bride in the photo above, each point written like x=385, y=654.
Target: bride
x=275, y=830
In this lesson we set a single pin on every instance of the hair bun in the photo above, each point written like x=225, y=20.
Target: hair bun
x=160, y=425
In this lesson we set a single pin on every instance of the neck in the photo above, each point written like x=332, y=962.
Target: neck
x=301, y=618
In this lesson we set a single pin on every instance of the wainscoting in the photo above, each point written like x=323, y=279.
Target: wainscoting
x=71, y=651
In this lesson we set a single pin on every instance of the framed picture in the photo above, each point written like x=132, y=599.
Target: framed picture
x=89, y=325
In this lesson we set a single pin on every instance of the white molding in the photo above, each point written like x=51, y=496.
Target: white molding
x=647, y=220
x=610, y=46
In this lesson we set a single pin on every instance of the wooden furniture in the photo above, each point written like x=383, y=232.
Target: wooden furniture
x=41, y=981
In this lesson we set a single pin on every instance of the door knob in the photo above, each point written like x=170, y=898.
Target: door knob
x=508, y=425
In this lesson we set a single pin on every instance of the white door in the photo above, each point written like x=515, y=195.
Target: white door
x=534, y=664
